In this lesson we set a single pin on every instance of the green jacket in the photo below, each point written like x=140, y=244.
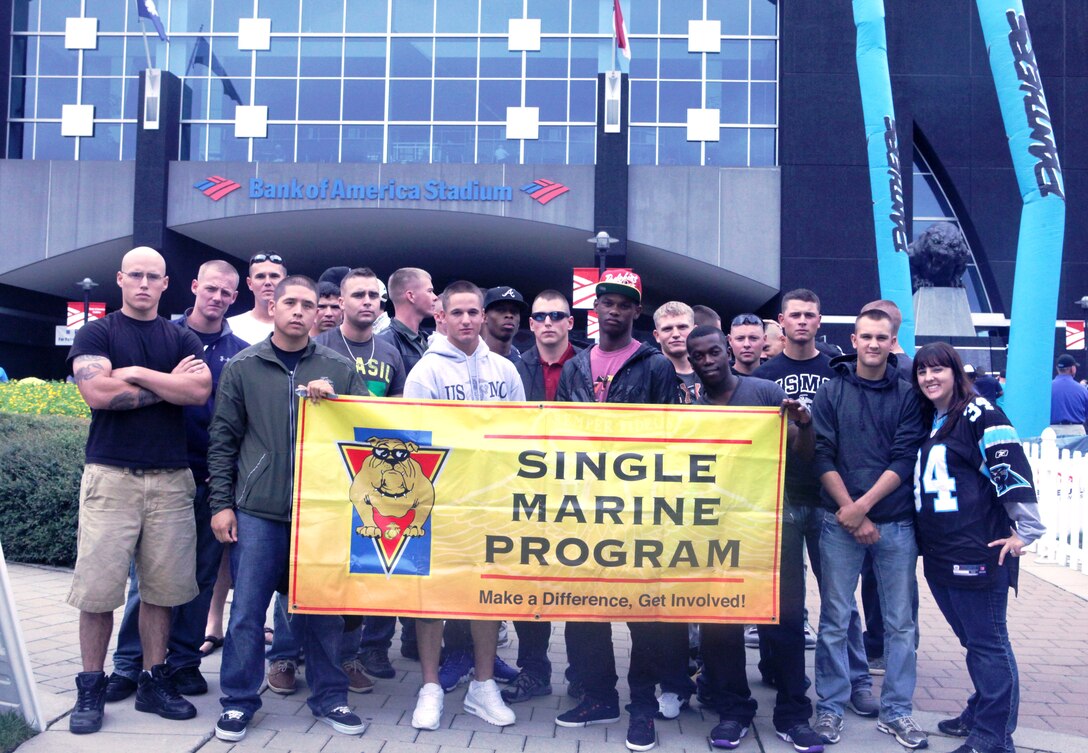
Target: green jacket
x=251, y=449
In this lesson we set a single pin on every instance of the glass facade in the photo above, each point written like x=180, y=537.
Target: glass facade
x=931, y=205
x=401, y=80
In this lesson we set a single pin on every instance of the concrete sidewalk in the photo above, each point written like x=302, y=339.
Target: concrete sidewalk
x=1047, y=623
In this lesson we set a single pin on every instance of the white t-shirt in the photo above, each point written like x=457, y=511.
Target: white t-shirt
x=249, y=329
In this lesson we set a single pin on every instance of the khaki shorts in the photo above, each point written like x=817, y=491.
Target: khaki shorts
x=146, y=514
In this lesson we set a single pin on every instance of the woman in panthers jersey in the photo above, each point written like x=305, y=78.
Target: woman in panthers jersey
x=976, y=511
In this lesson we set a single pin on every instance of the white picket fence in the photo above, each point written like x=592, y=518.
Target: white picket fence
x=1061, y=480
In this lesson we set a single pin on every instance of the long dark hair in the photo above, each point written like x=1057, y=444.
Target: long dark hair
x=943, y=354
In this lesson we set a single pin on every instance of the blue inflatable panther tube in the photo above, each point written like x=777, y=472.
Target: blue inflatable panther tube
x=885, y=175
x=1042, y=222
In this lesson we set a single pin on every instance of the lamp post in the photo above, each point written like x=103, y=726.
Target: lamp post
x=87, y=284
x=602, y=242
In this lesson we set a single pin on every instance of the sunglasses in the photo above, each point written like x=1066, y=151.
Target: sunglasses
x=137, y=276
x=397, y=456
x=259, y=258
x=743, y=319
x=555, y=316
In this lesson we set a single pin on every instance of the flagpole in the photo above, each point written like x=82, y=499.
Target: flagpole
x=192, y=55
x=615, y=38
x=147, y=49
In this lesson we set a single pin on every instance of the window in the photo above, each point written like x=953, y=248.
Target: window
x=401, y=80
x=931, y=206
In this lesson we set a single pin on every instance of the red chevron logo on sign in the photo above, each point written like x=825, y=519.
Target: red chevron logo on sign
x=543, y=191
x=216, y=187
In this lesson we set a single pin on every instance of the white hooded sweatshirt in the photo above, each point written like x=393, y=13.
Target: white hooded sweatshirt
x=446, y=373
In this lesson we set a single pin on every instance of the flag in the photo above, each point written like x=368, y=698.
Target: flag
x=203, y=55
x=146, y=9
x=620, y=29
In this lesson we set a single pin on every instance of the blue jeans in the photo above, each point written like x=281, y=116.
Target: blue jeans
x=285, y=644
x=378, y=632
x=258, y=561
x=895, y=558
x=977, y=617
x=809, y=518
x=189, y=620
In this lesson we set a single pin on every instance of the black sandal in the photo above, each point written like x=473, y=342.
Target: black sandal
x=215, y=642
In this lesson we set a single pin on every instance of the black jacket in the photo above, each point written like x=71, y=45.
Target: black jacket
x=647, y=377
x=531, y=372
x=411, y=348
x=864, y=428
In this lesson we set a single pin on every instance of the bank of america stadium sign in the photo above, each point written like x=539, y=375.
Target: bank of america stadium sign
x=335, y=189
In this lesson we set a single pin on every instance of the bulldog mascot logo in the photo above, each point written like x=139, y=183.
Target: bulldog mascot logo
x=392, y=495
x=390, y=492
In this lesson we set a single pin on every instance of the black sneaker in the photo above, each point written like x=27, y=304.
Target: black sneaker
x=589, y=712
x=189, y=681
x=641, y=734
x=90, y=703
x=409, y=650
x=118, y=688
x=954, y=727
x=524, y=687
x=344, y=721
x=376, y=664
x=727, y=734
x=231, y=726
x=157, y=694
x=803, y=738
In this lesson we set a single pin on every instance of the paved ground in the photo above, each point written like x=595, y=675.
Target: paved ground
x=1047, y=623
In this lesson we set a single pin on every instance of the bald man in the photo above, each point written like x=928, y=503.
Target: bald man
x=136, y=371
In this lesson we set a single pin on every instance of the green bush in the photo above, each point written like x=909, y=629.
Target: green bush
x=41, y=462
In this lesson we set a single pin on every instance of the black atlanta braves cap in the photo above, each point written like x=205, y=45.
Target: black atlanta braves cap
x=504, y=293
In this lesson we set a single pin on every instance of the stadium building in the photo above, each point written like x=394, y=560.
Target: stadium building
x=486, y=139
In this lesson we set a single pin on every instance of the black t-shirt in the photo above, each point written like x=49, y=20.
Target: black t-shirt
x=207, y=338
x=751, y=391
x=690, y=387
x=800, y=380
x=148, y=437
x=288, y=358
x=963, y=480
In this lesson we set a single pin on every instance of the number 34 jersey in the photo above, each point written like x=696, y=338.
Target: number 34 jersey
x=967, y=483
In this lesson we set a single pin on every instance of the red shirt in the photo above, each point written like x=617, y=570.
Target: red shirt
x=553, y=370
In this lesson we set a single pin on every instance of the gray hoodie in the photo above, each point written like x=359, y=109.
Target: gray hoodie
x=446, y=373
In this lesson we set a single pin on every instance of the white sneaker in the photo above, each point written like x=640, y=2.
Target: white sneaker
x=428, y=713
x=810, y=638
x=483, y=700
x=751, y=636
x=504, y=636
x=668, y=705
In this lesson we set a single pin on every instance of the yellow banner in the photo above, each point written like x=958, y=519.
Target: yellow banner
x=556, y=511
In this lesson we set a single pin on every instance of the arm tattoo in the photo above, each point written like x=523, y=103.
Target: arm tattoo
x=129, y=400
x=87, y=368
